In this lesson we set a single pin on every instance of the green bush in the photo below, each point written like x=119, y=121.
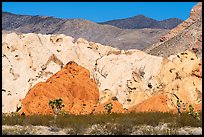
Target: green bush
x=108, y=107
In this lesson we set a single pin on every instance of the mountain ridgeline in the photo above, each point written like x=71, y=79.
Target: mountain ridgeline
x=141, y=21
x=125, y=36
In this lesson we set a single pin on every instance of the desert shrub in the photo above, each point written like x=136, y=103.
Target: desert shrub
x=108, y=107
x=187, y=120
x=12, y=119
x=71, y=121
x=26, y=120
x=39, y=119
x=79, y=122
x=194, y=114
x=56, y=106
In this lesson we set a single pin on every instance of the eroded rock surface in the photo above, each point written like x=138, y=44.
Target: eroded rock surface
x=187, y=35
x=36, y=57
x=31, y=58
x=72, y=83
x=130, y=76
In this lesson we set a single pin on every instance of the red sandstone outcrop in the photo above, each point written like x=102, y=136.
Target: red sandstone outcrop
x=72, y=84
x=155, y=103
x=159, y=103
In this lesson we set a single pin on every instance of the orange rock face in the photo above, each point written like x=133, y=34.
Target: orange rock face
x=158, y=103
x=155, y=103
x=73, y=84
x=80, y=95
x=117, y=107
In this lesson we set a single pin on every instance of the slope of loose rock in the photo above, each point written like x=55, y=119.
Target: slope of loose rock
x=187, y=35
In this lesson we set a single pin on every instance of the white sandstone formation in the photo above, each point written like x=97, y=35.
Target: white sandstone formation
x=132, y=76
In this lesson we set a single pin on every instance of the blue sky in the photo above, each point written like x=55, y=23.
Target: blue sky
x=101, y=11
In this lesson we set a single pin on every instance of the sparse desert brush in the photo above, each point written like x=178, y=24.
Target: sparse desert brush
x=108, y=107
x=126, y=119
x=26, y=120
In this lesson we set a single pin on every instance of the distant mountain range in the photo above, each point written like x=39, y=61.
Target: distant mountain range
x=124, y=36
x=141, y=21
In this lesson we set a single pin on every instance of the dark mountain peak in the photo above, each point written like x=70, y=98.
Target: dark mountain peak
x=168, y=23
x=136, y=22
x=82, y=28
x=141, y=21
x=140, y=16
x=173, y=19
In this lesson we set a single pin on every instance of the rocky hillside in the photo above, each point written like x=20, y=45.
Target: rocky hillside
x=93, y=74
x=187, y=35
x=141, y=21
x=130, y=77
x=79, y=28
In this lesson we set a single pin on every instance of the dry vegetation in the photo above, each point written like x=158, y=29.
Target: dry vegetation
x=141, y=118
